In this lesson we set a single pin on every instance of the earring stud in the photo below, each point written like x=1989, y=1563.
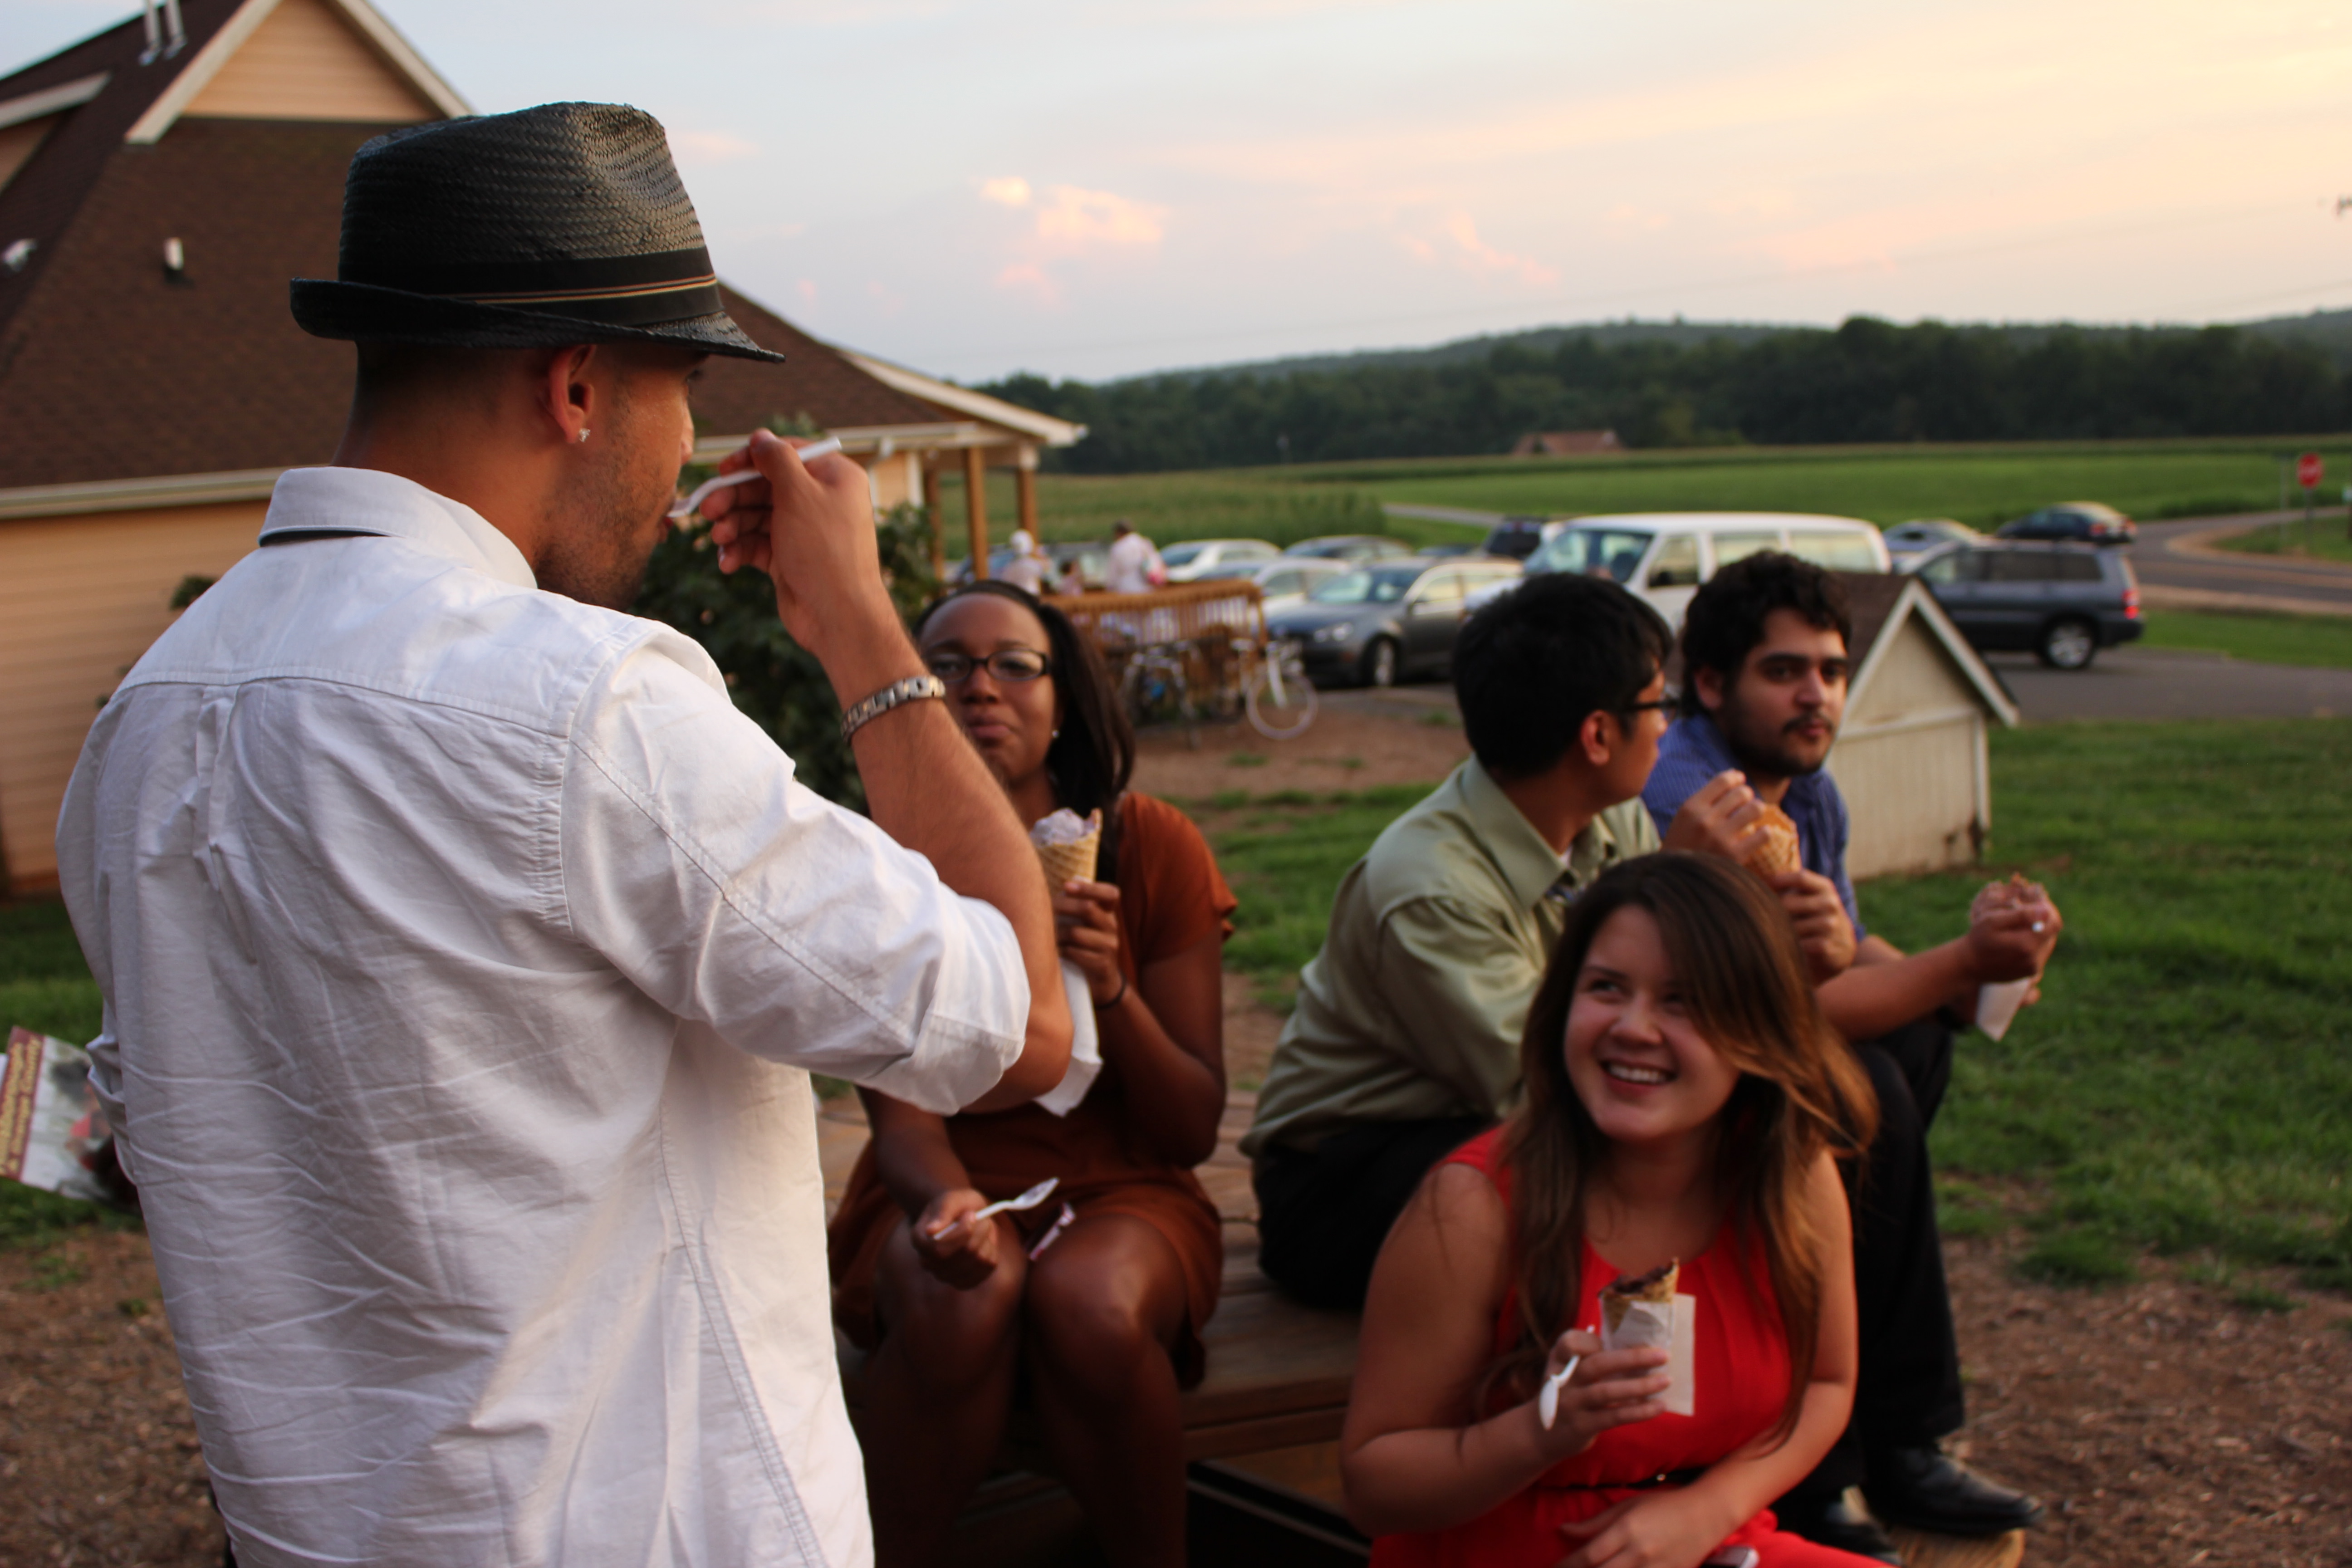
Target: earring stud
x=584, y=432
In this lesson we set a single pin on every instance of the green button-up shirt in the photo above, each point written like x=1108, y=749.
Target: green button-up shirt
x=1439, y=938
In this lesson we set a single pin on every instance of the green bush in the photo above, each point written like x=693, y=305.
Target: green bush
x=775, y=682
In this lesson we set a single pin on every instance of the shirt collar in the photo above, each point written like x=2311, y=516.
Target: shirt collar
x=370, y=502
x=1526, y=859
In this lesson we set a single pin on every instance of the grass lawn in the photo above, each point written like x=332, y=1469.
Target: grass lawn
x=2320, y=641
x=2183, y=1085
x=2327, y=539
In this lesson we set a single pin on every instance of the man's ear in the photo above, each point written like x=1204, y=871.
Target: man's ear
x=1597, y=738
x=571, y=397
x=1708, y=684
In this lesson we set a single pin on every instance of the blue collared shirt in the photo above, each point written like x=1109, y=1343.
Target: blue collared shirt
x=1693, y=751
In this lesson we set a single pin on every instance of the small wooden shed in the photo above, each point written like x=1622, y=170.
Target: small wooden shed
x=1912, y=757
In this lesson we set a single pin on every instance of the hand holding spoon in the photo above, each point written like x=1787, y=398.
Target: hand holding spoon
x=693, y=502
x=1547, y=1400
x=1028, y=1200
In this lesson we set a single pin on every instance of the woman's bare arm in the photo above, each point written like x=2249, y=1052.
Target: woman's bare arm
x=1412, y=1455
x=920, y=1169
x=1166, y=1040
x=1164, y=1036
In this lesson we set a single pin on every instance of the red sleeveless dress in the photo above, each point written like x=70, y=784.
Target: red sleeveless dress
x=1740, y=1375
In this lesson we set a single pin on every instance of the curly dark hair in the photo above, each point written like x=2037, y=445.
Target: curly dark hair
x=1090, y=760
x=1726, y=618
x=1532, y=665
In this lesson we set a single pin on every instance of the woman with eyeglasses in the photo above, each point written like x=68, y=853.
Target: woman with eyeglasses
x=1102, y=1313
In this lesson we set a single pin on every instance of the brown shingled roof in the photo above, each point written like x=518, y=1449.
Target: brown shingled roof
x=111, y=368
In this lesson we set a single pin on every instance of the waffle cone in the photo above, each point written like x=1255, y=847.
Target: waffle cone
x=1780, y=850
x=1064, y=861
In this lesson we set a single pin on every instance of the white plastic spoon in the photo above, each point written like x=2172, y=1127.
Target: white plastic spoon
x=1028, y=1200
x=809, y=454
x=1547, y=1401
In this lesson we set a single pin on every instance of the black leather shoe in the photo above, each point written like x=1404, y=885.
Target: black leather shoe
x=1926, y=1490
x=1837, y=1523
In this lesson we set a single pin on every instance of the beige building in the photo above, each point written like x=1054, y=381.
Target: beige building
x=1912, y=757
x=158, y=187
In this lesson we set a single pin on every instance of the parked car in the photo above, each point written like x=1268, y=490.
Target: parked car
x=1449, y=551
x=1664, y=556
x=1907, y=540
x=1516, y=538
x=1196, y=557
x=2063, y=602
x=1283, y=582
x=1349, y=547
x=1386, y=621
x=2085, y=521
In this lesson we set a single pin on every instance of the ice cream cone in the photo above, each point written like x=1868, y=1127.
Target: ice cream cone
x=1075, y=858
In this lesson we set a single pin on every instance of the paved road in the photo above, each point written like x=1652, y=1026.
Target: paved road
x=2154, y=683
x=2170, y=563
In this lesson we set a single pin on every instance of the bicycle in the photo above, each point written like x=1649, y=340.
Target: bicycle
x=1155, y=685
x=1279, y=698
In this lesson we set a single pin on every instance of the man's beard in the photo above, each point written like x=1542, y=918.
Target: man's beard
x=1769, y=756
x=600, y=546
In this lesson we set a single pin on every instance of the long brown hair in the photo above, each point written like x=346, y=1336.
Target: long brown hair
x=1800, y=1091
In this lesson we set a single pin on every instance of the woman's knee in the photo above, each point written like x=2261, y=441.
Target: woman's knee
x=944, y=1331
x=1095, y=1315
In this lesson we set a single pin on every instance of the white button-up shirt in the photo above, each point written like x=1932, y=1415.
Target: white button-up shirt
x=465, y=955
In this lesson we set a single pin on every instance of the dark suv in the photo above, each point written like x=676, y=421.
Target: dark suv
x=1516, y=538
x=2083, y=521
x=2063, y=602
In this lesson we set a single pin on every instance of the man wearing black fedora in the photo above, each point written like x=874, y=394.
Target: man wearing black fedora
x=465, y=953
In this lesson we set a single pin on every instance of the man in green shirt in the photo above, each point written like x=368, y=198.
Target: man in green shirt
x=1405, y=1040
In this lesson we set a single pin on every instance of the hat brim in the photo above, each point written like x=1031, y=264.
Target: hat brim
x=364, y=312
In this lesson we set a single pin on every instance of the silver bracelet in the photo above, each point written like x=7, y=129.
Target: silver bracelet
x=913, y=688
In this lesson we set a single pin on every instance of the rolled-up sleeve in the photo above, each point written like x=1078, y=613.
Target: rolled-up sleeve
x=694, y=862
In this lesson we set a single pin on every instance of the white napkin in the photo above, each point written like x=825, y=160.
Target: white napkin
x=1086, y=1047
x=1673, y=1330
x=1997, y=1004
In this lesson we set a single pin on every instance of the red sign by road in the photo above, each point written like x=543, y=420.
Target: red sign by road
x=2308, y=469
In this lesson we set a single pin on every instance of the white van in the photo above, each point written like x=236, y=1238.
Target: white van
x=1664, y=556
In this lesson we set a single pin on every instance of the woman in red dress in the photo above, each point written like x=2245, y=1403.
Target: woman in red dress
x=1684, y=1096
x=1099, y=1320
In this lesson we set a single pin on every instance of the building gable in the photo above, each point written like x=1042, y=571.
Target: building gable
x=306, y=61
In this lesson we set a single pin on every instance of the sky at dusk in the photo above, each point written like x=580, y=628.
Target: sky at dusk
x=1098, y=189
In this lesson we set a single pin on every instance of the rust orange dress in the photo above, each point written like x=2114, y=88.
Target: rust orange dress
x=1741, y=1375
x=1171, y=898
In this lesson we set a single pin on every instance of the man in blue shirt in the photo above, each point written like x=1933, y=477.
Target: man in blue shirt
x=1764, y=684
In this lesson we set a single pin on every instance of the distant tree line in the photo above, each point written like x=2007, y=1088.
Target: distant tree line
x=1865, y=381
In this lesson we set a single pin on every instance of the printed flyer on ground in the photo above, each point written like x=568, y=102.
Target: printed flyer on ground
x=52, y=1133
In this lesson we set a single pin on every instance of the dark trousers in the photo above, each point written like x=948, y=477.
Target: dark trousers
x=1323, y=1213
x=1908, y=1392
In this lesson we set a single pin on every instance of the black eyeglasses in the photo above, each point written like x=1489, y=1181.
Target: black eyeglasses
x=1004, y=664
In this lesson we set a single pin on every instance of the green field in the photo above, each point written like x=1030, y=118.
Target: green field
x=2321, y=641
x=2184, y=1085
x=1978, y=485
x=2327, y=537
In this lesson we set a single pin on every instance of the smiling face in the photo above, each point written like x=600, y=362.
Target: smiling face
x=1635, y=1058
x=1011, y=722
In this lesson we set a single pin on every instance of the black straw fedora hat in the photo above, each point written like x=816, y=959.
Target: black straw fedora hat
x=562, y=224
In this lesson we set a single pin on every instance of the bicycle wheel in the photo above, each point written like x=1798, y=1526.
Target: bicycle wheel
x=1281, y=700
